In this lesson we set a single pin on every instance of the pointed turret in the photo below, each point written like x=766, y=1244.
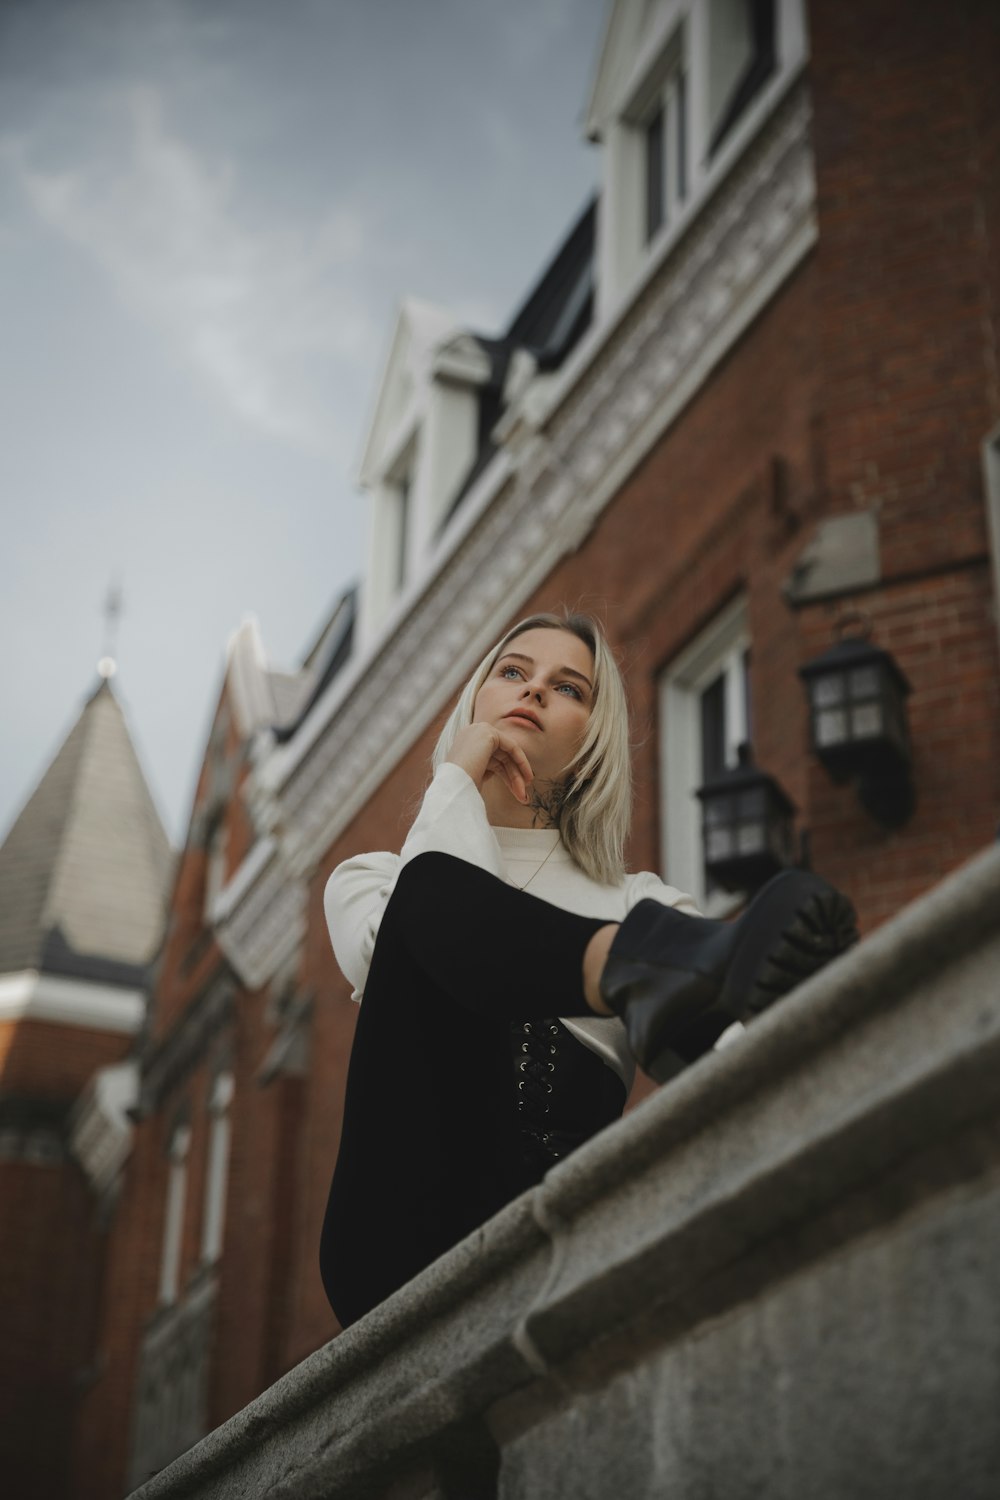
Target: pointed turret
x=84, y=870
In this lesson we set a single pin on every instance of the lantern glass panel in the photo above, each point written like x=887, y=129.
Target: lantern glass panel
x=831, y=727
x=864, y=682
x=828, y=690
x=866, y=721
x=718, y=810
x=750, y=838
x=719, y=843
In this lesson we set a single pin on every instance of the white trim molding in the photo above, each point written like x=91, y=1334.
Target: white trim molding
x=718, y=648
x=31, y=996
x=101, y=1135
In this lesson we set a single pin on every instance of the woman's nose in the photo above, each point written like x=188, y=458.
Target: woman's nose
x=533, y=690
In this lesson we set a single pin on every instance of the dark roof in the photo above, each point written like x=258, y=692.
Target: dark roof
x=552, y=319
x=85, y=869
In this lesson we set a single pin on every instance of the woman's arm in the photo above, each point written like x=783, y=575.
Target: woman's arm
x=452, y=820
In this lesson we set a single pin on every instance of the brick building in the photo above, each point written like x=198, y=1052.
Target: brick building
x=751, y=406
x=84, y=875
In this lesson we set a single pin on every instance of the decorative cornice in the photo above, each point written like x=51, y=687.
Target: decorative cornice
x=101, y=1131
x=752, y=233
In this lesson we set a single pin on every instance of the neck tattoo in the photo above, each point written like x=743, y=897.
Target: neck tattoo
x=547, y=806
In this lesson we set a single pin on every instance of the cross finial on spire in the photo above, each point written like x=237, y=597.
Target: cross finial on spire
x=107, y=666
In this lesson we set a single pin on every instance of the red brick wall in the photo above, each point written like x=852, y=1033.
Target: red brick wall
x=48, y=1061
x=50, y=1255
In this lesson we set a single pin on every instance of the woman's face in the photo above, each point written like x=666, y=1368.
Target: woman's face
x=540, y=690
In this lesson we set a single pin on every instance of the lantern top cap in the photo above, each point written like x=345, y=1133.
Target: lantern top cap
x=745, y=777
x=854, y=652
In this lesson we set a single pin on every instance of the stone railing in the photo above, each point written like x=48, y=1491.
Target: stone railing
x=777, y=1277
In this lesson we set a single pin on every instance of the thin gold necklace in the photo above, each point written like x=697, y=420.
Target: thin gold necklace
x=541, y=867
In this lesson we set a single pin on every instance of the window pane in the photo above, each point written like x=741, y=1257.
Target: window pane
x=680, y=134
x=747, y=715
x=742, y=57
x=655, y=173
x=713, y=729
x=404, y=521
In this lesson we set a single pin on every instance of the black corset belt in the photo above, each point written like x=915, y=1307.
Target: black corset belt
x=564, y=1092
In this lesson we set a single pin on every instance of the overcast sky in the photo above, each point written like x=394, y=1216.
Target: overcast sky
x=209, y=210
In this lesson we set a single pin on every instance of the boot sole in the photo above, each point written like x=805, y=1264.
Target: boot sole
x=799, y=924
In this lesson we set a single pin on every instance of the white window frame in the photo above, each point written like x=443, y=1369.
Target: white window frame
x=217, y=1170
x=664, y=91
x=173, y=1219
x=718, y=650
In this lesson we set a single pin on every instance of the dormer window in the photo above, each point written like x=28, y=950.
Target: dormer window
x=741, y=58
x=681, y=88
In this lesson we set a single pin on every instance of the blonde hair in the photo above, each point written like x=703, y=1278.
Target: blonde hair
x=596, y=812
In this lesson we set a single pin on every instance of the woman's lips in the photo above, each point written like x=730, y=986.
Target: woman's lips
x=523, y=718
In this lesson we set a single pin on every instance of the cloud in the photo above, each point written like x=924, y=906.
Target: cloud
x=259, y=309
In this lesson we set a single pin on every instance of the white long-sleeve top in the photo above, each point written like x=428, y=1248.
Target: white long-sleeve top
x=452, y=820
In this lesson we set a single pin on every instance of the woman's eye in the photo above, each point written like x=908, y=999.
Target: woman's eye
x=505, y=671
x=573, y=689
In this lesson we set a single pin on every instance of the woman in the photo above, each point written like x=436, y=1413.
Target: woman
x=513, y=972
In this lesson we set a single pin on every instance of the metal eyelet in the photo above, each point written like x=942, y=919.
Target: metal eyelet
x=547, y=1087
x=527, y=1028
x=553, y=1030
x=551, y=1067
x=521, y=1084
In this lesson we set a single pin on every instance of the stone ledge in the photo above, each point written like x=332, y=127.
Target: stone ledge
x=863, y=1099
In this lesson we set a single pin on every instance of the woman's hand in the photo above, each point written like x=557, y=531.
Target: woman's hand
x=483, y=751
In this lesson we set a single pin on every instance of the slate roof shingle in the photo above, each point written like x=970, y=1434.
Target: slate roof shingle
x=86, y=867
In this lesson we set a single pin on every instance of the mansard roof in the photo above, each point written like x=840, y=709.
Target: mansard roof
x=264, y=697
x=85, y=869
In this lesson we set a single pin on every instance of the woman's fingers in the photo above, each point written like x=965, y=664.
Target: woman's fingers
x=483, y=750
x=505, y=766
x=514, y=765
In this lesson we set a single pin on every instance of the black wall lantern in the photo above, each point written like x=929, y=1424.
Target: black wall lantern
x=857, y=711
x=746, y=826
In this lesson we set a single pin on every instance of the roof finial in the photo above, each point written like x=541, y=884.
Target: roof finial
x=107, y=666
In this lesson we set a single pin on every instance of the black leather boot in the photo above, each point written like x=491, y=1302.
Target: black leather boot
x=678, y=981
